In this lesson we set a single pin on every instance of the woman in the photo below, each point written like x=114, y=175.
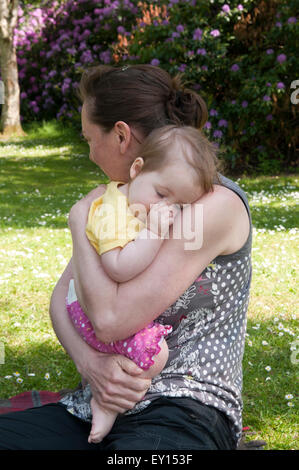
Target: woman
x=202, y=291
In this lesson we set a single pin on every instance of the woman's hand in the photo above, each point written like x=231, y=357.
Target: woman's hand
x=160, y=218
x=114, y=381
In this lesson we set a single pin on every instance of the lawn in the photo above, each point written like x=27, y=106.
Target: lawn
x=41, y=176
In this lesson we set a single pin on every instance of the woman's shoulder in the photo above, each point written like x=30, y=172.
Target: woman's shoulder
x=226, y=216
x=217, y=223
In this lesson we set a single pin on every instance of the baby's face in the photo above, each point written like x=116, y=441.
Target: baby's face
x=174, y=184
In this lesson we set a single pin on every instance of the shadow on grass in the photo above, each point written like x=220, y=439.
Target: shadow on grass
x=271, y=218
x=53, y=370
x=35, y=186
x=40, y=190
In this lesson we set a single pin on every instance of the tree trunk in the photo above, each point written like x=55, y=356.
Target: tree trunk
x=10, y=116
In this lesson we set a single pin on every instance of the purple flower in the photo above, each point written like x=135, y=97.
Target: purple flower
x=215, y=33
x=269, y=117
x=207, y=125
x=244, y=104
x=155, y=62
x=281, y=58
x=105, y=57
x=71, y=50
x=217, y=134
x=23, y=95
x=268, y=84
x=197, y=34
x=201, y=51
x=213, y=112
x=180, y=28
x=266, y=98
x=86, y=57
x=226, y=8
x=182, y=67
x=280, y=85
x=121, y=30
x=278, y=24
x=223, y=123
x=235, y=67
x=269, y=51
x=292, y=19
x=240, y=7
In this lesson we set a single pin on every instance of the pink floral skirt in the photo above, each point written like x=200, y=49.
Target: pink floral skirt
x=140, y=347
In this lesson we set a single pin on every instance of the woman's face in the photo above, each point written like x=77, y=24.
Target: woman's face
x=104, y=149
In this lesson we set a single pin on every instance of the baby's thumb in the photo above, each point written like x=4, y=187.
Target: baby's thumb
x=129, y=366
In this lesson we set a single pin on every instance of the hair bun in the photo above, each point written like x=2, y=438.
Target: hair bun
x=185, y=106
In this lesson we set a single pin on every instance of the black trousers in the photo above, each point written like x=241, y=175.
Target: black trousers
x=167, y=424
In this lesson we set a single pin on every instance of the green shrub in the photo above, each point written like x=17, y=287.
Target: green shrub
x=240, y=56
x=242, y=59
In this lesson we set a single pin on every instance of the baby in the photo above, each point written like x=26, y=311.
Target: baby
x=127, y=226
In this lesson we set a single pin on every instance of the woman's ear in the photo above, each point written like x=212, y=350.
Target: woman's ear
x=123, y=134
x=136, y=167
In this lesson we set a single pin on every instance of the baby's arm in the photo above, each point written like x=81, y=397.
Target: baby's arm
x=123, y=264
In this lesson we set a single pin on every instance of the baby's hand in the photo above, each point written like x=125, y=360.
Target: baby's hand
x=160, y=218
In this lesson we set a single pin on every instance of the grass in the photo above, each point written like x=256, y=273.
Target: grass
x=41, y=176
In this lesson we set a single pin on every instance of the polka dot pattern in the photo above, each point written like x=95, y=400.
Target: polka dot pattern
x=140, y=348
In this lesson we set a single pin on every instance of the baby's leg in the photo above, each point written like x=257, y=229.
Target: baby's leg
x=160, y=360
x=102, y=419
x=102, y=422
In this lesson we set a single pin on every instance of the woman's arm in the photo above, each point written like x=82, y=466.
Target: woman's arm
x=224, y=227
x=113, y=379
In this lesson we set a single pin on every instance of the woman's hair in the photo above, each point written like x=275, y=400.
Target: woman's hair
x=165, y=144
x=144, y=96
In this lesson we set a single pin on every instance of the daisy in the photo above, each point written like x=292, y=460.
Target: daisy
x=289, y=396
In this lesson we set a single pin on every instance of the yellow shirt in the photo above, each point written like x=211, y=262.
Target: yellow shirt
x=110, y=222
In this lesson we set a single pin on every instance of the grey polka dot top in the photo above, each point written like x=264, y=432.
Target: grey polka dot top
x=207, y=342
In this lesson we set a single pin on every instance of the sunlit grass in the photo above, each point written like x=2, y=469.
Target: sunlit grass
x=41, y=177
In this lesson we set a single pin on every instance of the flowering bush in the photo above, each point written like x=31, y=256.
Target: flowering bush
x=56, y=42
x=239, y=56
x=242, y=58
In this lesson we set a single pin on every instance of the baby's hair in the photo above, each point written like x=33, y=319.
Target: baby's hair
x=158, y=150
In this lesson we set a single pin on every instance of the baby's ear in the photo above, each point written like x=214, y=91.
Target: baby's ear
x=136, y=167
